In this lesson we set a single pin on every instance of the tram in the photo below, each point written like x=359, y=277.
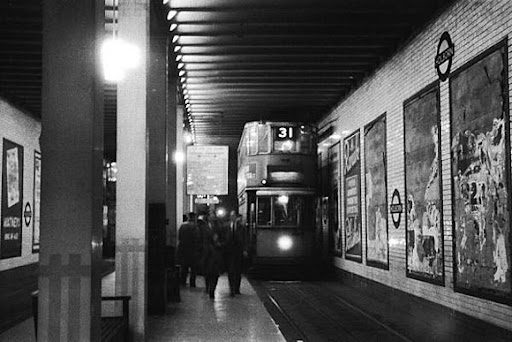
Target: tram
x=277, y=191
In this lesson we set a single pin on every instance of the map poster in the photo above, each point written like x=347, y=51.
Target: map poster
x=352, y=193
x=376, y=193
x=480, y=163
x=12, y=200
x=424, y=222
x=37, y=203
x=335, y=231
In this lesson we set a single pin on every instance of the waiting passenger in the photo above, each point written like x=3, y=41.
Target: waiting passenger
x=235, y=249
x=214, y=265
x=188, y=241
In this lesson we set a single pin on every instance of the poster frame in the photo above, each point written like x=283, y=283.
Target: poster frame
x=373, y=263
x=35, y=246
x=434, y=86
x=332, y=247
x=21, y=167
x=352, y=257
x=502, y=44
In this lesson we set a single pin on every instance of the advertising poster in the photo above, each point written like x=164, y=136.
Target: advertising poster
x=376, y=193
x=12, y=200
x=352, y=200
x=335, y=231
x=37, y=202
x=480, y=158
x=424, y=222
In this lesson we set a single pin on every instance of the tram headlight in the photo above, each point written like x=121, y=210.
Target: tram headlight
x=284, y=242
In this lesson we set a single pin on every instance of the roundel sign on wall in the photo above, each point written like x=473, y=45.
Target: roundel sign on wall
x=396, y=208
x=444, y=56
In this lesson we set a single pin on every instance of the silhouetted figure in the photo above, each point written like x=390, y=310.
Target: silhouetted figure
x=188, y=241
x=213, y=255
x=235, y=246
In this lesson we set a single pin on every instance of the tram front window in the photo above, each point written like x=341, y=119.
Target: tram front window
x=287, y=210
x=264, y=211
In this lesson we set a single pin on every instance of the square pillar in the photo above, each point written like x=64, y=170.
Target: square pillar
x=132, y=161
x=71, y=183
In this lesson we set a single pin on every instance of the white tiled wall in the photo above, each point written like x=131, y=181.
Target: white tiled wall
x=474, y=26
x=24, y=130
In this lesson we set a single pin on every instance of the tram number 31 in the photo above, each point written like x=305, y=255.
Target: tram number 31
x=285, y=133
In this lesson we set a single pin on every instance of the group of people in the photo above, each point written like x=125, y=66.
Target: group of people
x=210, y=246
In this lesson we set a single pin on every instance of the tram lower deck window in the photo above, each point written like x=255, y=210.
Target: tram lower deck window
x=264, y=207
x=281, y=211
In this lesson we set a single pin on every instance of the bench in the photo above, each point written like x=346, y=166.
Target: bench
x=113, y=328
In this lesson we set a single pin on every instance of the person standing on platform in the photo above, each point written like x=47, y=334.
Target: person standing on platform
x=188, y=241
x=214, y=265
x=235, y=249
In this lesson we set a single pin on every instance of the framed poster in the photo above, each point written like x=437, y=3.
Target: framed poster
x=423, y=189
x=352, y=196
x=376, y=193
x=480, y=166
x=37, y=202
x=334, y=172
x=12, y=200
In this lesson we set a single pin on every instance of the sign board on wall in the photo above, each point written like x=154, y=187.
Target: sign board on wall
x=207, y=170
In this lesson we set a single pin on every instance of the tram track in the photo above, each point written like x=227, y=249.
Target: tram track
x=315, y=313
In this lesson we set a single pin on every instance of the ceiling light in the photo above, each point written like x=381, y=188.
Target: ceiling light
x=173, y=27
x=175, y=38
x=181, y=65
x=177, y=48
x=178, y=58
x=187, y=137
x=171, y=14
x=117, y=56
x=165, y=1
x=183, y=79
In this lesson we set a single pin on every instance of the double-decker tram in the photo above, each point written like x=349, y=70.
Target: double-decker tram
x=276, y=191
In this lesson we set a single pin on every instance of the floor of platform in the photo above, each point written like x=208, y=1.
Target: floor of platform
x=195, y=318
x=199, y=318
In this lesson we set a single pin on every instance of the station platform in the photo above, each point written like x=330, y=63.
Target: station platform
x=343, y=308
x=195, y=318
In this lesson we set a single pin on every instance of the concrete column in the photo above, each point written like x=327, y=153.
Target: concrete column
x=180, y=168
x=157, y=177
x=172, y=113
x=71, y=185
x=131, y=212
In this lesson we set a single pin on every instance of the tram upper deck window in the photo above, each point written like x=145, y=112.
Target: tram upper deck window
x=252, y=140
x=289, y=139
x=263, y=138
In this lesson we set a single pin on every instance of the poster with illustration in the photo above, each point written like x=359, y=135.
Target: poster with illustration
x=480, y=158
x=424, y=222
x=352, y=196
x=37, y=202
x=334, y=229
x=12, y=200
x=376, y=193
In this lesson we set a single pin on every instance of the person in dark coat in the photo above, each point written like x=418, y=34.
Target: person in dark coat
x=188, y=245
x=235, y=247
x=214, y=265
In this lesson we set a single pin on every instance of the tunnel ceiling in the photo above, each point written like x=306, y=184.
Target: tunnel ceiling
x=240, y=60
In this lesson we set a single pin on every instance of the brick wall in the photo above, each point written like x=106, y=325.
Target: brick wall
x=474, y=26
x=24, y=130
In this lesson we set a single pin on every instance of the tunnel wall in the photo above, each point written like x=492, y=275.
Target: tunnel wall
x=24, y=130
x=474, y=27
